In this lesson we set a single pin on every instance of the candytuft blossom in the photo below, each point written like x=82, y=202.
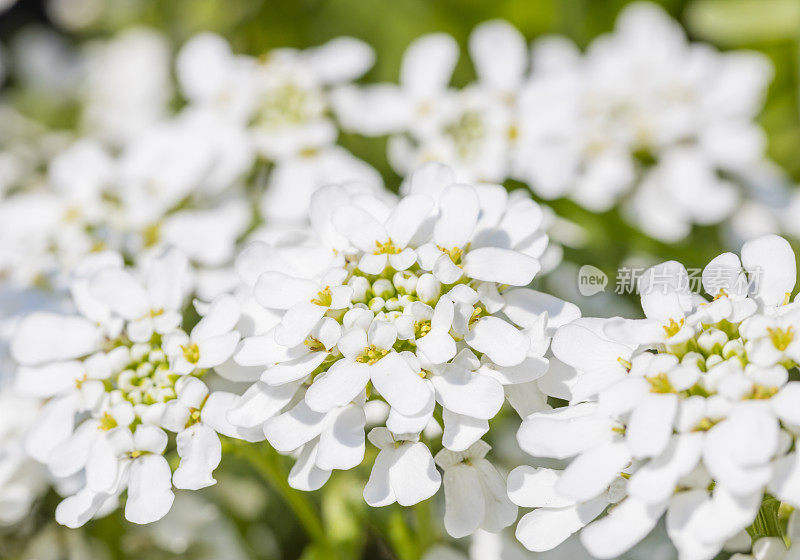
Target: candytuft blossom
x=418, y=304
x=686, y=414
x=116, y=376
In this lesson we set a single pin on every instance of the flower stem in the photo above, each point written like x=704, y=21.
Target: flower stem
x=424, y=525
x=267, y=462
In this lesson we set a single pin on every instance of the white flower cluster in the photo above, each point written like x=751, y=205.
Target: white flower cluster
x=417, y=306
x=643, y=111
x=689, y=413
x=138, y=178
x=116, y=375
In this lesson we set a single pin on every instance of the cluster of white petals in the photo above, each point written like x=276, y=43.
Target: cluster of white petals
x=139, y=176
x=118, y=375
x=413, y=311
x=642, y=111
x=689, y=413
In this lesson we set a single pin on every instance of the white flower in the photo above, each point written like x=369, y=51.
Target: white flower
x=473, y=130
x=127, y=84
x=680, y=414
x=277, y=105
x=22, y=481
x=131, y=460
x=404, y=471
x=475, y=495
x=643, y=111
x=116, y=372
x=408, y=302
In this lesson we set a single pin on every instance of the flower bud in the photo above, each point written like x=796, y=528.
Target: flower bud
x=405, y=282
x=383, y=288
x=712, y=341
x=360, y=286
x=376, y=304
x=428, y=288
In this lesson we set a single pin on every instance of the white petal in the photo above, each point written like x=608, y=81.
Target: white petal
x=500, y=54
x=500, y=510
x=216, y=350
x=221, y=318
x=361, y=228
x=460, y=432
x=525, y=306
x=770, y=261
x=536, y=488
x=544, y=529
x=464, y=506
x=150, y=493
x=399, y=384
x=593, y=471
x=503, y=266
x=564, y=432
x=341, y=443
x=305, y=474
x=298, y=322
x=503, y=343
x=624, y=526
x=469, y=393
x=200, y=451
x=53, y=425
x=49, y=379
x=76, y=510
x=459, y=213
x=121, y=292
x=343, y=381
x=407, y=217
x=378, y=491
x=215, y=416
x=656, y=480
x=48, y=337
x=341, y=59
x=293, y=370
x=428, y=64
x=275, y=290
x=294, y=428
x=438, y=346
x=413, y=475
x=650, y=425
x=259, y=402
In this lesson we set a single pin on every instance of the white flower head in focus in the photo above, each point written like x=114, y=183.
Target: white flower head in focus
x=119, y=373
x=689, y=413
x=420, y=304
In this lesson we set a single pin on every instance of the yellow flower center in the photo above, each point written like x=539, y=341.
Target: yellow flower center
x=455, y=253
x=107, y=422
x=371, y=355
x=324, y=297
x=673, y=327
x=387, y=248
x=191, y=352
x=660, y=384
x=314, y=345
x=781, y=338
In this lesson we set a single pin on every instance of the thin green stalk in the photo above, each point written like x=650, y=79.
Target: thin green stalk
x=424, y=525
x=267, y=463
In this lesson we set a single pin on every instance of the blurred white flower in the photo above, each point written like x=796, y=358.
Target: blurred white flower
x=647, y=112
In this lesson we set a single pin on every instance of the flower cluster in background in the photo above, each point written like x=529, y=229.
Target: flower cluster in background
x=272, y=292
